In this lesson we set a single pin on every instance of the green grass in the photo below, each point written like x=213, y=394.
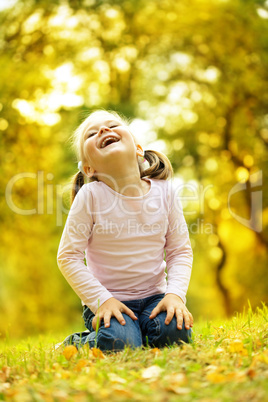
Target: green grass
x=228, y=361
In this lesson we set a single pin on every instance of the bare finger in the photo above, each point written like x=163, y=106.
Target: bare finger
x=154, y=312
x=129, y=312
x=186, y=319
x=107, y=318
x=179, y=316
x=170, y=315
x=119, y=317
x=191, y=320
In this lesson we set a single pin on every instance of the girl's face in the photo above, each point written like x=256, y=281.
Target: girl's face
x=108, y=145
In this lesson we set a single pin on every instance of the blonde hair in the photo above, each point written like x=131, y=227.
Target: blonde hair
x=160, y=166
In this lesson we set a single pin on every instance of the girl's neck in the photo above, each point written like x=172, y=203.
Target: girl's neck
x=131, y=186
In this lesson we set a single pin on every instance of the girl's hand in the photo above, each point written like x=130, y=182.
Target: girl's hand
x=173, y=304
x=112, y=308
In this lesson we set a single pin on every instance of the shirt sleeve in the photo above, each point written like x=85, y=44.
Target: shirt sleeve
x=70, y=257
x=179, y=255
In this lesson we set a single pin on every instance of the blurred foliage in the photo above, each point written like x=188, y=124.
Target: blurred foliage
x=193, y=76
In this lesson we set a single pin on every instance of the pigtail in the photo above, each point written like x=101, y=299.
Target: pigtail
x=78, y=182
x=160, y=166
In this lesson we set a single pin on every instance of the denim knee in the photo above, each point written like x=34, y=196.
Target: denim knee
x=117, y=336
x=107, y=341
x=159, y=334
x=88, y=316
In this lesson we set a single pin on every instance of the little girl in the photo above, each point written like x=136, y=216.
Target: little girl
x=126, y=219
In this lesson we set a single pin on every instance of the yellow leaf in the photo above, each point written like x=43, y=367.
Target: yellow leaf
x=239, y=362
x=60, y=395
x=90, y=370
x=213, y=369
x=176, y=379
x=69, y=352
x=123, y=392
x=8, y=393
x=4, y=386
x=236, y=346
x=219, y=350
x=65, y=374
x=5, y=373
x=263, y=357
x=178, y=390
x=98, y=353
x=151, y=372
x=155, y=351
x=238, y=376
x=251, y=373
x=216, y=378
x=103, y=393
x=116, y=379
x=56, y=366
x=81, y=364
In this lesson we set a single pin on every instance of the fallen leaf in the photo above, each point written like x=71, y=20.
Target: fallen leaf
x=262, y=357
x=60, y=395
x=98, y=353
x=65, y=374
x=116, y=379
x=104, y=393
x=214, y=374
x=10, y=394
x=90, y=370
x=155, y=351
x=178, y=390
x=121, y=391
x=219, y=350
x=5, y=373
x=251, y=373
x=4, y=386
x=237, y=376
x=216, y=378
x=213, y=369
x=69, y=352
x=81, y=364
x=236, y=346
x=151, y=372
x=176, y=379
x=238, y=363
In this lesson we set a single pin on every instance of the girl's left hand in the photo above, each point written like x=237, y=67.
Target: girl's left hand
x=173, y=304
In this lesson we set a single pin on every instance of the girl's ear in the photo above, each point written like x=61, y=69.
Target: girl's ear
x=139, y=150
x=89, y=171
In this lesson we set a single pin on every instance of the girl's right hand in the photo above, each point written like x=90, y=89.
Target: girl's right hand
x=112, y=308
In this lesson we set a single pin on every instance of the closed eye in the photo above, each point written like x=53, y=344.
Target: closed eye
x=91, y=134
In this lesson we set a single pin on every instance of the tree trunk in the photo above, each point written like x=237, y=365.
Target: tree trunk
x=223, y=289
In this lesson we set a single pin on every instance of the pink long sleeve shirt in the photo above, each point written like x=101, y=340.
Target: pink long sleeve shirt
x=123, y=240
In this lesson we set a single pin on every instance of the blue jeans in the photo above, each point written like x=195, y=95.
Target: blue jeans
x=144, y=331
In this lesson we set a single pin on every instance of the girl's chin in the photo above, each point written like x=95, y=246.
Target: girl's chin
x=113, y=145
x=117, y=150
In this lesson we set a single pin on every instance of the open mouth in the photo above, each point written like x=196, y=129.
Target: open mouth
x=108, y=141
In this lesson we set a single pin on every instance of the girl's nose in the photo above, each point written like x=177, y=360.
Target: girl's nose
x=103, y=129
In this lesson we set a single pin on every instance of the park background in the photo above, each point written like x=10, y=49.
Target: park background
x=191, y=75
